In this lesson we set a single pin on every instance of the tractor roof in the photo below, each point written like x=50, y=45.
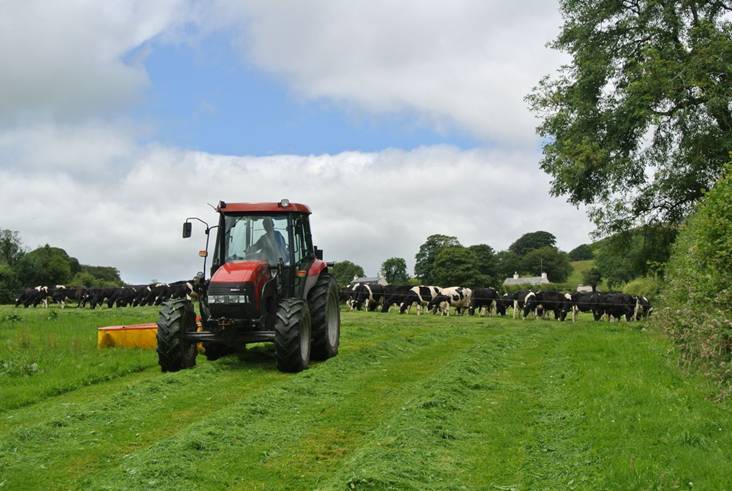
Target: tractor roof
x=276, y=207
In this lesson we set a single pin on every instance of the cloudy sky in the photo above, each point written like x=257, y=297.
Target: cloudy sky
x=392, y=120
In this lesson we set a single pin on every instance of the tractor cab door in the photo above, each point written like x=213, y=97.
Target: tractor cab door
x=302, y=249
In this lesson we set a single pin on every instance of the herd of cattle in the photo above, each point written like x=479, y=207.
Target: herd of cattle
x=485, y=301
x=366, y=296
x=125, y=296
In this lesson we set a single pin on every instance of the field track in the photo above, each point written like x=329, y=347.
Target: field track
x=410, y=403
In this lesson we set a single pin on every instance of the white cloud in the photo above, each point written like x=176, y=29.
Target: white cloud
x=66, y=59
x=367, y=206
x=467, y=63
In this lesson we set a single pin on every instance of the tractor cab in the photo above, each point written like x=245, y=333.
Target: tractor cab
x=268, y=283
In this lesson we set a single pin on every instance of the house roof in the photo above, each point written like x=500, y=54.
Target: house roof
x=526, y=280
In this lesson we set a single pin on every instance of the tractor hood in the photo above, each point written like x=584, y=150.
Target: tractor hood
x=241, y=272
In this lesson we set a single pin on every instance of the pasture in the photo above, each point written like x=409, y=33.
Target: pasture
x=409, y=403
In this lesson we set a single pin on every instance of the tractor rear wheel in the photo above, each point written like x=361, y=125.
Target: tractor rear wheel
x=175, y=353
x=292, y=335
x=326, y=317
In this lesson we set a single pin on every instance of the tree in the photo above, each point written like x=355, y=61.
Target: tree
x=11, y=247
x=344, y=272
x=531, y=241
x=638, y=125
x=457, y=266
x=582, y=252
x=638, y=252
x=487, y=263
x=103, y=275
x=9, y=285
x=428, y=251
x=394, y=270
x=549, y=260
x=592, y=277
x=45, y=266
x=507, y=263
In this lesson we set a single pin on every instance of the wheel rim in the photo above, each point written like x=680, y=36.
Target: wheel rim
x=305, y=338
x=331, y=319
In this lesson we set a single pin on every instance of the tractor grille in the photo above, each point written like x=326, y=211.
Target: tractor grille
x=232, y=300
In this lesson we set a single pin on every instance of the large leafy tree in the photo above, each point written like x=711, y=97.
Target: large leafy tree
x=487, y=262
x=507, y=263
x=344, y=271
x=549, y=260
x=457, y=266
x=395, y=270
x=46, y=266
x=634, y=253
x=428, y=252
x=638, y=125
x=582, y=252
x=11, y=247
x=532, y=240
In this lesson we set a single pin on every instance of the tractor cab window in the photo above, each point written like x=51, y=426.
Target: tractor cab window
x=256, y=237
x=301, y=249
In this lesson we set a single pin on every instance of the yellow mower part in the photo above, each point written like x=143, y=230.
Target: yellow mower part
x=132, y=336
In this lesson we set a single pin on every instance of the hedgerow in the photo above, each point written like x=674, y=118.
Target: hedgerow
x=697, y=298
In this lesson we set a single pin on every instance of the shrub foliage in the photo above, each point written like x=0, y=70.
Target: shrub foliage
x=697, y=299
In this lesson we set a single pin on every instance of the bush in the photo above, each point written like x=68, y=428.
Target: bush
x=697, y=298
x=643, y=287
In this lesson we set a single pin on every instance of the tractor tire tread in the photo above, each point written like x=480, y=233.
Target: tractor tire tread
x=174, y=353
x=290, y=314
x=318, y=300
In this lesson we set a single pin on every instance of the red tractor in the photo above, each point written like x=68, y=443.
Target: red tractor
x=268, y=284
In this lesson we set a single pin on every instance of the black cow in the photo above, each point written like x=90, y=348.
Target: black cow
x=420, y=295
x=503, y=303
x=394, y=295
x=483, y=298
x=614, y=305
x=368, y=295
x=97, y=296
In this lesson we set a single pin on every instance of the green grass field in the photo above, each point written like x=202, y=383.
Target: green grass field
x=409, y=403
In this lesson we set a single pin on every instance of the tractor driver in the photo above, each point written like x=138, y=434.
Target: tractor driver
x=272, y=244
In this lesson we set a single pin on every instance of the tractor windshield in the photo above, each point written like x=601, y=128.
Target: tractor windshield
x=256, y=237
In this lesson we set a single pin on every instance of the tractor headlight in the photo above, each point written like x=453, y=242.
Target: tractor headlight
x=228, y=299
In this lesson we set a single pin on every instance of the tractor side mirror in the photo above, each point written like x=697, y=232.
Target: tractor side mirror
x=187, y=227
x=318, y=253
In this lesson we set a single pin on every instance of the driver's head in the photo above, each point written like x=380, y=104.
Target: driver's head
x=268, y=224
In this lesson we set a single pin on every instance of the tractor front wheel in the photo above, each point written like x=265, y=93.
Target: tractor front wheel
x=292, y=335
x=175, y=353
x=326, y=316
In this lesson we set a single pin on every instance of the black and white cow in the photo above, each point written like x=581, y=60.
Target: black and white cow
x=368, y=295
x=519, y=300
x=643, y=308
x=419, y=295
x=440, y=305
x=32, y=296
x=483, y=300
x=559, y=303
x=458, y=297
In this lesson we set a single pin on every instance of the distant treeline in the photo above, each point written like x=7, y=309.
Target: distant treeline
x=46, y=265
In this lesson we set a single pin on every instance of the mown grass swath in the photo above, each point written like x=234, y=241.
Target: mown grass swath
x=409, y=403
